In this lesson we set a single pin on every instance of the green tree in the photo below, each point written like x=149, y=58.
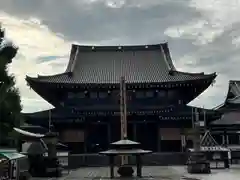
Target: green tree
x=10, y=102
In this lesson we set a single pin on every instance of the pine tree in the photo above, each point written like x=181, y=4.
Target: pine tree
x=10, y=102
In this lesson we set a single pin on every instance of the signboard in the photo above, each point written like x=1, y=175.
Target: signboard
x=170, y=134
x=72, y=135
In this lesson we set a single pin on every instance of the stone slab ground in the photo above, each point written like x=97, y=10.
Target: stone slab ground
x=151, y=173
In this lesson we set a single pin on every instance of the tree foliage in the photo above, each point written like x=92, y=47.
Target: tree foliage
x=10, y=102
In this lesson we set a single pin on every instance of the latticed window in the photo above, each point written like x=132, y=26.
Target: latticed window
x=140, y=94
x=161, y=93
x=93, y=95
x=80, y=95
x=149, y=94
x=233, y=139
x=103, y=95
x=171, y=94
x=71, y=95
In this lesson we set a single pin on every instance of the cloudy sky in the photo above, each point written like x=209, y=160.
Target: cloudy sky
x=203, y=36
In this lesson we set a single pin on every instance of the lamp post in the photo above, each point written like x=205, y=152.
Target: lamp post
x=197, y=162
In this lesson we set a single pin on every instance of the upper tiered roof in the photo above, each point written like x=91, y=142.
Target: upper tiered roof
x=106, y=64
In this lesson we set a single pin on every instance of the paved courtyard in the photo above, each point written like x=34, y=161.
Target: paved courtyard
x=151, y=173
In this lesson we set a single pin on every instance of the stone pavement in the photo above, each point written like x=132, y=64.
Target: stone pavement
x=151, y=173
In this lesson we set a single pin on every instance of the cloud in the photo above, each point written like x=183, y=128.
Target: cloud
x=203, y=35
x=40, y=52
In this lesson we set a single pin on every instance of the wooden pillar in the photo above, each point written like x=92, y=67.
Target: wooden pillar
x=109, y=133
x=85, y=138
x=111, y=164
x=159, y=139
x=183, y=140
x=225, y=137
x=134, y=131
x=139, y=165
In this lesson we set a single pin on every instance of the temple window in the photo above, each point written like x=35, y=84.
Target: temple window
x=103, y=95
x=93, y=95
x=80, y=95
x=171, y=94
x=149, y=94
x=161, y=93
x=233, y=139
x=71, y=95
x=140, y=94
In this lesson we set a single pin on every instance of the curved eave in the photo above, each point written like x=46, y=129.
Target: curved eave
x=228, y=101
x=32, y=82
x=52, y=79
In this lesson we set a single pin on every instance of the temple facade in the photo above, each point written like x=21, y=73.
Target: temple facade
x=226, y=129
x=87, y=103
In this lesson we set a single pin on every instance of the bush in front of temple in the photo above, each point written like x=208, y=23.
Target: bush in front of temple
x=10, y=103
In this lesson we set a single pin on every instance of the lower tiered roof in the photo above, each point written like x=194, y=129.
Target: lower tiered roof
x=62, y=115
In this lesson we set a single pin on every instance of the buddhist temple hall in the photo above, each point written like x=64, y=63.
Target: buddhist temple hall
x=87, y=103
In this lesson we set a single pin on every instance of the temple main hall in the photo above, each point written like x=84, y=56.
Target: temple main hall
x=87, y=103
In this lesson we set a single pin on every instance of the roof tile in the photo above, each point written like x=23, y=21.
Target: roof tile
x=104, y=64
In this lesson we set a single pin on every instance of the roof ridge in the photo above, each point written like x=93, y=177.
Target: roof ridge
x=45, y=76
x=78, y=48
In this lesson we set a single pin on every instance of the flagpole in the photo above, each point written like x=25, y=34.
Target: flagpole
x=123, y=113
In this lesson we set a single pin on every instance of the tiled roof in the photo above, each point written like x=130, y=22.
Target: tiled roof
x=233, y=96
x=106, y=64
x=183, y=111
x=228, y=118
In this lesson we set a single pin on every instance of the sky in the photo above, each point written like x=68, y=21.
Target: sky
x=203, y=36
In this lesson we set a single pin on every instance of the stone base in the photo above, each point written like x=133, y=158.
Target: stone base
x=198, y=164
x=125, y=171
x=199, y=168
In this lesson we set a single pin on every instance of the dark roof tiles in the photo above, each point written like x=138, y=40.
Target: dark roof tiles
x=106, y=64
x=229, y=118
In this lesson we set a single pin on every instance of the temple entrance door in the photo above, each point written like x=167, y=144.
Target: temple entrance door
x=147, y=135
x=130, y=132
x=97, y=138
x=115, y=131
